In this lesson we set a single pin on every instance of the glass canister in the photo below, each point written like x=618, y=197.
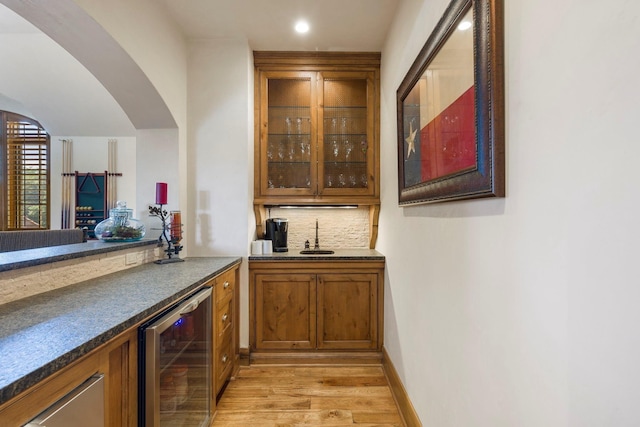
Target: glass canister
x=120, y=226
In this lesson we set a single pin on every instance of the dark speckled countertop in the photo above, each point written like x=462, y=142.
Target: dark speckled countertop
x=41, y=334
x=339, y=255
x=32, y=257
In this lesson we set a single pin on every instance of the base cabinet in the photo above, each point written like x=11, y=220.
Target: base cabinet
x=117, y=360
x=226, y=346
x=315, y=306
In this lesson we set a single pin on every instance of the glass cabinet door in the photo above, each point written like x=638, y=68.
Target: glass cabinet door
x=345, y=166
x=288, y=141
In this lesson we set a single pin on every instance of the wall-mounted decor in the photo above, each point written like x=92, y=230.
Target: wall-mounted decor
x=451, y=109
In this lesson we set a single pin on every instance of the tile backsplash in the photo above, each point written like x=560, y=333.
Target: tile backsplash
x=338, y=228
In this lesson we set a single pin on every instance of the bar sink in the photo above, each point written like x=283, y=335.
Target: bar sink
x=316, y=252
x=316, y=248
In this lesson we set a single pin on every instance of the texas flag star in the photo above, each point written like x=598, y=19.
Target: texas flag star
x=411, y=140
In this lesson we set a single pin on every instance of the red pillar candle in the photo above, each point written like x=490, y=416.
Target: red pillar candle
x=161, y=193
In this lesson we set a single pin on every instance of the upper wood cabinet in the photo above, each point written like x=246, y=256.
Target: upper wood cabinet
x=317, y=128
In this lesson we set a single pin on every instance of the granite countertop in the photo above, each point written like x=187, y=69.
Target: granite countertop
x=32, y=257
x=43, y=333
x=339, y=255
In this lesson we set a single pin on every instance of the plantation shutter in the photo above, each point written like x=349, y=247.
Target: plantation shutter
x=27, y=174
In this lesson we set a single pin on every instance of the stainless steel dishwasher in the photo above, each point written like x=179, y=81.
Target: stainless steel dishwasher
x=82, y=407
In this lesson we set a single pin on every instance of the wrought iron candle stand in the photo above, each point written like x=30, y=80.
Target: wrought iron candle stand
x=173, y=243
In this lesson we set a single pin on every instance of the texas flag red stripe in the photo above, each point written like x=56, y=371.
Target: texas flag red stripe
x=448, y=141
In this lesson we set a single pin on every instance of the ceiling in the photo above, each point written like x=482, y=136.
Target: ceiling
x=335, y=25
x=71, y=91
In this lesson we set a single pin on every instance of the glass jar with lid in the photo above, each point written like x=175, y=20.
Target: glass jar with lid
x=120, y=226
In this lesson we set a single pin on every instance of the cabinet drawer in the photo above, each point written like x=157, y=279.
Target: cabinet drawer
x=225, y=285
x=224, y=317
x=223, y=363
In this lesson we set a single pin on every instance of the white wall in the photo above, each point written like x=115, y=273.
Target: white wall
x=157, y=155
x=523, y=311
x=220, y=173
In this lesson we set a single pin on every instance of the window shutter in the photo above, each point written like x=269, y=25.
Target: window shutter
x=27, y=166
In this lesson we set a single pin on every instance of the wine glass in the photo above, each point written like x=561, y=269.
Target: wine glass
x=344, y=129
x=287, y=123
x=348, y=147
x=333, y=130
x=281, y=151
x=299, y=125
x=292, y=151
x=270, y=151
x=329, y=180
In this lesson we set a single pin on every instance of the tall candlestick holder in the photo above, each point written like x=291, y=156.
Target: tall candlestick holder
x=173, y=241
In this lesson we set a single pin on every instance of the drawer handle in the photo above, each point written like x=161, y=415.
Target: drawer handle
x=225, y=317
x=225, y=358
x=226, y=285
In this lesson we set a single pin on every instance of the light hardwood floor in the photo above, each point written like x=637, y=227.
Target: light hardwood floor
x=287, y=396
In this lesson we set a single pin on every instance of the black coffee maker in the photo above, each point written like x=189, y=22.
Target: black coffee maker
x=277, y=233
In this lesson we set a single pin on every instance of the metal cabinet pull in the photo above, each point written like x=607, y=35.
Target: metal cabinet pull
x=226, y=285
x=225, y=358
x=225, y=317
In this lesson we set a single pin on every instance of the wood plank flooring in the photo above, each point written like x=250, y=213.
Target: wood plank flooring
x=288, y=396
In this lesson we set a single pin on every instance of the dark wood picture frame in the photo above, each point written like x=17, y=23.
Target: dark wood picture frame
x=465, y=159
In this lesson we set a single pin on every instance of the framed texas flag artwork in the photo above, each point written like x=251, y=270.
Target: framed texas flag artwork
x=451, y=109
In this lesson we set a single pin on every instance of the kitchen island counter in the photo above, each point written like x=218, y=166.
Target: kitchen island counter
x=42, y=334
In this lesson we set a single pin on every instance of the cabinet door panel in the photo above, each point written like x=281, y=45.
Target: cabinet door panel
x=347, y=137
x=287, y=140
x=285, y=311
x=347, y=311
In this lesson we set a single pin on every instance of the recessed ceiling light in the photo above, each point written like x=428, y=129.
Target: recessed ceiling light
x=302, y=26
x=464, y=25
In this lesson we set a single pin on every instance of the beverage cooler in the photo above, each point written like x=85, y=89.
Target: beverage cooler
x=175, y=365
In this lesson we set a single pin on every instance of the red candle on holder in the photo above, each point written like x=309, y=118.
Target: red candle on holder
x=161, y=193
